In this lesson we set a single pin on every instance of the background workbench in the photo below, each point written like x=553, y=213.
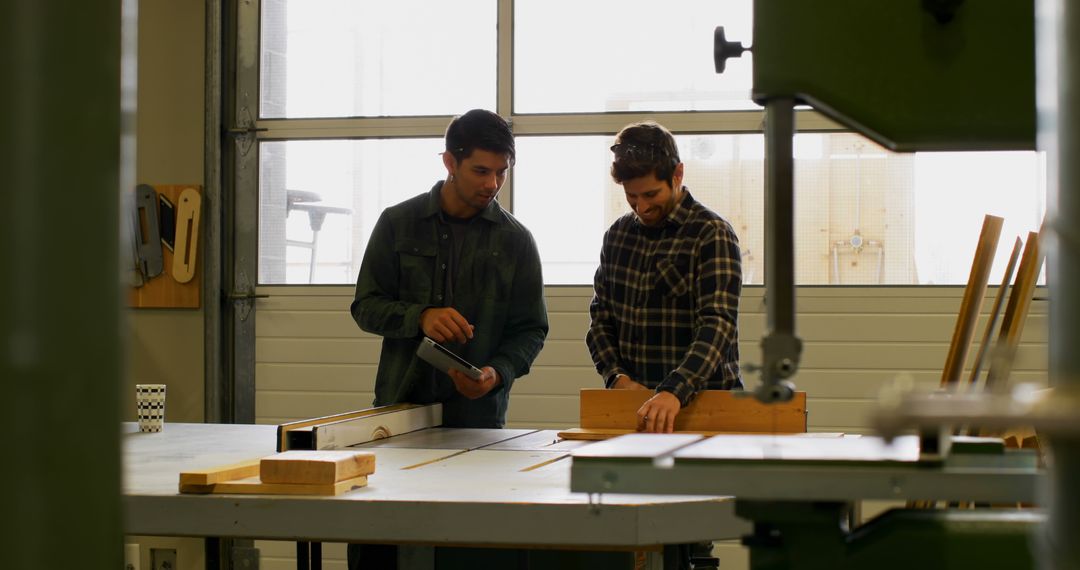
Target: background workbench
x=464, y=487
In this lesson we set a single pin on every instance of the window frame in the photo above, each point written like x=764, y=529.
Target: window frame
x=523, y=124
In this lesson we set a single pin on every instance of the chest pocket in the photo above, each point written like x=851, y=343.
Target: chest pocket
x=673, y=276
x=416, y=273
x=495, y=266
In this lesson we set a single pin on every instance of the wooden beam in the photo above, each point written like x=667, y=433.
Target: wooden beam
x=711, y=411
x=995, y=312
x=354, y=431
x=1016, y=311
x=973, y=298
x=316, y=467
x=285, y=428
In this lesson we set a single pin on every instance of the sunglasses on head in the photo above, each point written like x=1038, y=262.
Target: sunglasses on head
x=639, y=151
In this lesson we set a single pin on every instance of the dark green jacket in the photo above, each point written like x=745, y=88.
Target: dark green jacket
x=498, y=288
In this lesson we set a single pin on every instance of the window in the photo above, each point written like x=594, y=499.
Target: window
x=343, y=58
x=356, y=95
x=320, y=200
x=627, y=56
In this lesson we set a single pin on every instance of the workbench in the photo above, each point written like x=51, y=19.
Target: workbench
x=801, y=493
x=438, y=486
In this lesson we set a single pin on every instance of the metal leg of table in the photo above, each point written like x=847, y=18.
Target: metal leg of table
x=303, y=555
x=308, y=555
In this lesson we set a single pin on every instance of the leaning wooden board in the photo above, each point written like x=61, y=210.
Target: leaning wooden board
x=608, y=413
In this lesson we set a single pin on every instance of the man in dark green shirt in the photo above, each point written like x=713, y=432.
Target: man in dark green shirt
x=452, y=265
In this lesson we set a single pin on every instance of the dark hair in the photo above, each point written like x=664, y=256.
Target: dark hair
x=479, y=129
x=642, y=149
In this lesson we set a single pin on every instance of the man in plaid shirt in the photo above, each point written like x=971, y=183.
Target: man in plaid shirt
x=665, y=308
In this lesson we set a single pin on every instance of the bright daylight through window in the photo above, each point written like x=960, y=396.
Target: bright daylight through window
x=864, y=215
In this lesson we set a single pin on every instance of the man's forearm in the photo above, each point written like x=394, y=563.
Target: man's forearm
x=515, y=355
x=387, y=317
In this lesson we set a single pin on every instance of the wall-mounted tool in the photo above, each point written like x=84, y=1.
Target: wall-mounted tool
x=187, y=235
x=167, y=221
x=147, y=233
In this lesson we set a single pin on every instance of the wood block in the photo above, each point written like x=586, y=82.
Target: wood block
x=712, y=411
x=316, y=467
x=219, y=474
x=252, y=486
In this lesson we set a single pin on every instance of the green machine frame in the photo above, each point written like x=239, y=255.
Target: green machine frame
x=913, y=75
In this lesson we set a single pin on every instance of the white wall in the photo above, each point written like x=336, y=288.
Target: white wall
x=312, y=360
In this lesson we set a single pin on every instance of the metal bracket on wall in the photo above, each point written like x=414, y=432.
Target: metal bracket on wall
x=245, y=300
x=244, y=133
x=243, y=295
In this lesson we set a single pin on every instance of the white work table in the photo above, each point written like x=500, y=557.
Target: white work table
x=438, y=487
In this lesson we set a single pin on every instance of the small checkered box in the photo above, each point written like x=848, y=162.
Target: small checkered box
x=150, y=406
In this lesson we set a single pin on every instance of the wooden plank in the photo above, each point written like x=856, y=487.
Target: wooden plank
x=583, y=434
x=972, y=301
x=995, y=310
x=711, y=411
x=354, y=431
x=214, y=475
x=315, y=467
x=284, y=428
x=1012, y=322
x=597, y=434
x=252, y=486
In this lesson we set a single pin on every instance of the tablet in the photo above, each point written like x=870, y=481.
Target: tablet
x=443, y=359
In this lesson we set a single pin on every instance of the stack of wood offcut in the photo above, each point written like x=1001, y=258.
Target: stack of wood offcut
x=287, y=473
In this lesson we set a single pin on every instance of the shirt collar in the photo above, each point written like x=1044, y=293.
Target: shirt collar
x=434, y=205
x=678, y=215
x=681, y=213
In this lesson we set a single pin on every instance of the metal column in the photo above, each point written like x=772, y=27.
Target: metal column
x=780, y=347
x=1058, y=81
x=68, y=155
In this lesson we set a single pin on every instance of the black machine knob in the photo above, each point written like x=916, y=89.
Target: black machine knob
x=723, y=49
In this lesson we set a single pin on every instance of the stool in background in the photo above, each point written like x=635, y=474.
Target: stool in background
x=304, y=201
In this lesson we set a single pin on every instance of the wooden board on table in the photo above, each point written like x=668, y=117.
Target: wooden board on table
x=316, y=467
x=582, y=434
x=253, y=486
x=595, y=434
x=354, y=431
x=711, y=412
x=307, y=425
x=214, y=475
x=164, y=291
x=291, y=473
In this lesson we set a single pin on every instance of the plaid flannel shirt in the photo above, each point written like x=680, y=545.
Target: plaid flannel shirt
x=666, y=303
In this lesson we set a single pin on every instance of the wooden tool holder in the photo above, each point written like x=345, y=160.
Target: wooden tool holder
x=169, y=290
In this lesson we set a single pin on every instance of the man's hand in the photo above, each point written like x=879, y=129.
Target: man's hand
x=473, y=389
x=442, y=324
x=657, y=415
x=624, y=382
